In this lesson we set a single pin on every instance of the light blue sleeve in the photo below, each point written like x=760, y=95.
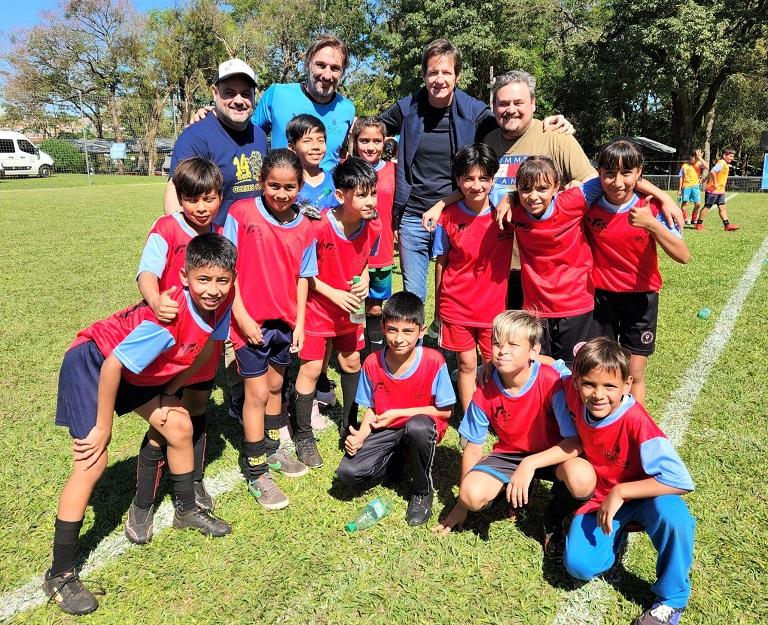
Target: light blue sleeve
x=673, y=229
x=364, y=394
x=442, y=389
x=309, y=261
x=681, y=173
x=561, y=368
x=661, y=461
x=441, y=244
x=221, y=330
x=718, y=167
x=497, y=193
x=230, y=229
x=474, y=425
x=262, y=115
x=145, y=343
x=563, y=415
x=154, y=256
x=592, y=190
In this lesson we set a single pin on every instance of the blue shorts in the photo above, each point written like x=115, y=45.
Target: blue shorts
x=253, y=360
x=692, y=194
x=380, y=287
x=502, y=466
x=77, y=403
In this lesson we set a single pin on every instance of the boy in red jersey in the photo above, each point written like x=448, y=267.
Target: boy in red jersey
x=623, y=231
x=472, y=267
x=408, y=398
x=524, y=404
x=132, y=362
x=640, y=478
x=346, y=236
x=198, y=185
x=368, y=137
x=276, y=256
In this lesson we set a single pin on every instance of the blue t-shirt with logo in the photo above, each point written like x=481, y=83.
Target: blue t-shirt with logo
x=280, y=103
x=238, y=153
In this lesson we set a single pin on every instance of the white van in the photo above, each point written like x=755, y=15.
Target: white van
x=19, y=157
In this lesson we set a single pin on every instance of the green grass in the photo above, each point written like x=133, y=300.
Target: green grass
x=67, y=181
x=70, y=258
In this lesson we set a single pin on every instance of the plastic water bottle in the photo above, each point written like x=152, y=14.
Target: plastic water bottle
x=704, y=313
x=371, y=514
x=358, y=316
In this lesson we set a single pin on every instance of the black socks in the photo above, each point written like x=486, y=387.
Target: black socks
x=255, y=454
x=303, y=429
x=199, y=441
x=373, y=333
x=183, y=491
x=349, y=409
x=272, y=425
x=66, y=541
x=149, y=471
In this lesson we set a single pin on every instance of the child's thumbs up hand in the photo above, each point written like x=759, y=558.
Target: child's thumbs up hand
x=164, y=306
x=640, y=215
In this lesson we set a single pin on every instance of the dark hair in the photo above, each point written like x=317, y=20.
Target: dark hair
x=354, y=173
x=302, y=125
x=365, y=122
x=621, y=153
x=282, y=157
x=535, y=168
x=729, y=151
x=441, y=47
x=197, y=176
x=210, y=250
x=404, y=306
x=390, y=149
x=601, y=353
x=475, y=155
x=327, y=41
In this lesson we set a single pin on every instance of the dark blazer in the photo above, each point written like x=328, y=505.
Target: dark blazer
x=470, y=119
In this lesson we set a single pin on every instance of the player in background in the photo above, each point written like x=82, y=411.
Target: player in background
x=715, y=192
x=689, y=189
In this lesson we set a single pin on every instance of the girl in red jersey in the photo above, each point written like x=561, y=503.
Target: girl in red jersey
x=368, y=136
x=623, y=230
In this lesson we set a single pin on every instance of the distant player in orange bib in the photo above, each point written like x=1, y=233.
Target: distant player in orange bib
x=715, y=192
x=690, y=183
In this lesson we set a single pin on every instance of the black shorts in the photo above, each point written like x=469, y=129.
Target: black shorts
x=515, y=290
x=562, y=334
x=629, y=317
x=714, y=198
x=502, y=466
x=253, y=360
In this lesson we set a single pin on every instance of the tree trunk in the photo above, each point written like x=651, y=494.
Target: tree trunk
x=683, y=124
x=708, y=132
x=151, y=130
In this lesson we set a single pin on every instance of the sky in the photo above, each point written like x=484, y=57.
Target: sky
x=25, y=13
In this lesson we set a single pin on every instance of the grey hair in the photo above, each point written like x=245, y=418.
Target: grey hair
x=516, y=75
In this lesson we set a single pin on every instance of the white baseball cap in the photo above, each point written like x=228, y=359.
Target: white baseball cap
x=234, y=67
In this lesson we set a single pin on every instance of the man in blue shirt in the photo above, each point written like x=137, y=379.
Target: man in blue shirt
x=228, y=138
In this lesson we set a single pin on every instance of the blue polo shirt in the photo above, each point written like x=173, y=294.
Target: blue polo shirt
x=238, y=153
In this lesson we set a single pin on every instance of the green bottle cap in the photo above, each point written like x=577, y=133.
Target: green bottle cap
x=351, y=527
x=356, y=280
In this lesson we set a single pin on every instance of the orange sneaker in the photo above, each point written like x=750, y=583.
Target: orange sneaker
x=732, y=227
x=698, y=226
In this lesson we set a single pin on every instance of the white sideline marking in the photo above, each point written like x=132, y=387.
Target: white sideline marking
x=30, y=595
x=579, y=607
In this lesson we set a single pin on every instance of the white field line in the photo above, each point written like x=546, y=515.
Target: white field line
x=587, y=604
x=30, y=594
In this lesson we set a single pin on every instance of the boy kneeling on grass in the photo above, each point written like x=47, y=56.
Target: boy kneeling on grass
x=524, y=403
x=132, y=362
x=408, y=397
x=640, y=478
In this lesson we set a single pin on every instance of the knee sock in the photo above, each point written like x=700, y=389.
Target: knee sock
x=199, y=442
x=183, y=491
x=255, y=456
x=726, y=222
x=561, y=506
x=149, y=471
x=373, y=333
x=349, y=409
x=303, y=428
x=66, y=541
x=272, y=425
x=323, y=383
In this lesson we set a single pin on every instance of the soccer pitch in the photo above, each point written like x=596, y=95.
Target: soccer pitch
x=70, y=254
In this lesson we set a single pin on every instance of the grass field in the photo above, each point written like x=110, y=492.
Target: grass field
x=70, y=254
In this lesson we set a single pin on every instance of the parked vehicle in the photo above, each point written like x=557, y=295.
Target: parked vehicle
x=20, y=157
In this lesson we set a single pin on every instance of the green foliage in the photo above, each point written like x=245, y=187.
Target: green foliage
x=65, y=155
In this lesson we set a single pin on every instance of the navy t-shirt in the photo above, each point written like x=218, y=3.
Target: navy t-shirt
x=431, y=168
x=238, y=153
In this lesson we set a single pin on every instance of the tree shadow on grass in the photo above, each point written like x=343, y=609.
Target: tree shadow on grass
x=115, y=490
